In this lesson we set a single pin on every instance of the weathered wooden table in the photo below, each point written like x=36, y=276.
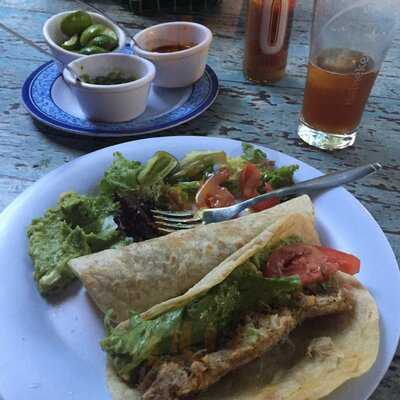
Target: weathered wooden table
x=259, y=114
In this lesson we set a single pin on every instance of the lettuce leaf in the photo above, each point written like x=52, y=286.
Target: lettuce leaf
x=201, y=323
x=129, y=348
x=253, y=155
x=280, y=177
x=122, y=176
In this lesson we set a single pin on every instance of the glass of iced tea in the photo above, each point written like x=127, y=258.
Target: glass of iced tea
x=349, y=41
x=268, y=28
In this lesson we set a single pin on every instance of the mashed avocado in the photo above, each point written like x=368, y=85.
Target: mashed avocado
x=76, y=226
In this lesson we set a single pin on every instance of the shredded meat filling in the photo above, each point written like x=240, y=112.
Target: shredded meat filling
x=179, y=377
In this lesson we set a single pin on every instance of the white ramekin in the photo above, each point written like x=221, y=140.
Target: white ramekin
x=179, y=68
x=53, y=36
x=112, y=103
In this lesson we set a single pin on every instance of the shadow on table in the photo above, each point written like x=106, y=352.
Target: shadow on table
x=209, y=122
x=88, y=144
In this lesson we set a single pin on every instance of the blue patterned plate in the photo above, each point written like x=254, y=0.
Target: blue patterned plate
x=48, y=99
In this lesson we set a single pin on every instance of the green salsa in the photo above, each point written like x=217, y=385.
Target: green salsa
x=113, y=78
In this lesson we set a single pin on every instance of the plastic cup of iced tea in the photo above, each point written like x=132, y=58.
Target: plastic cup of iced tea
x=349, y=41
x=268, y=29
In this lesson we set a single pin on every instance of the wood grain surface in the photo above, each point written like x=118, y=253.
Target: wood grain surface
x=260, y=114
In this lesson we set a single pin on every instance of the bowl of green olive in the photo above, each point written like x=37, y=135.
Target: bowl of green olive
x=74, y=34
x=112, y=87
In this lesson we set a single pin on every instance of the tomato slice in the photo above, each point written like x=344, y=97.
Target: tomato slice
x=347, y=262
x=212, y=194
x=250, y=179
x=312, y=264
x=273, y=201
x=221, y=198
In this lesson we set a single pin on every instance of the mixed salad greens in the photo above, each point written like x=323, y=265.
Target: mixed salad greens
x=119, y=212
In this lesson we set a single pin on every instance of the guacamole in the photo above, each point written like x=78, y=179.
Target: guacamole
x=76, y=226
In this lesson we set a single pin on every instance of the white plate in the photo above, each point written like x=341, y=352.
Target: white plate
x=51, y=351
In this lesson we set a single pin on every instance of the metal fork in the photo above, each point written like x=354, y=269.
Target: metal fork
x=170, y=221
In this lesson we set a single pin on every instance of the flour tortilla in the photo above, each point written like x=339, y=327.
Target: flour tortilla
x=318, y=357
x=144, y=274
x=292, y=224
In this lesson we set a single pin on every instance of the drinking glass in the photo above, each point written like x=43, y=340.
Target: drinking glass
x=268, y=28
x=151, y=6
x=349, y=40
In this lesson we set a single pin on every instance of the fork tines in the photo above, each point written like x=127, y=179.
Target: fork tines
x=170, y=221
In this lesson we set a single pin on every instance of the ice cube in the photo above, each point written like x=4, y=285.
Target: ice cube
x=341, y=61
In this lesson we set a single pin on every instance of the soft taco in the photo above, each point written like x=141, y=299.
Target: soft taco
x=281, y=318
x=141, y=275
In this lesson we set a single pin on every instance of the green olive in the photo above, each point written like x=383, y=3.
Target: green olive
x=75, y=23
x=111, y=33
x=72, y=43
x=88, y=50
x=91, y=32
x=107, y=42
